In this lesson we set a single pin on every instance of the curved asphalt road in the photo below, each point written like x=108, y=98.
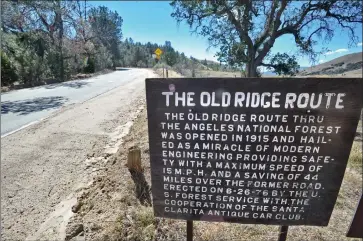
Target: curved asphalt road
x=21, y=108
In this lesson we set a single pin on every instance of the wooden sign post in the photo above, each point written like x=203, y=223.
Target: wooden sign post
x=283, y=233
x=250, y=150
x=355, y=229
x=189, y=230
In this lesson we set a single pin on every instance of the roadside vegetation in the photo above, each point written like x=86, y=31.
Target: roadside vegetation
x=52, y=41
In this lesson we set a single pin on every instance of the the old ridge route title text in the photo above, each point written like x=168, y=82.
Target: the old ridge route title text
x=256, y=100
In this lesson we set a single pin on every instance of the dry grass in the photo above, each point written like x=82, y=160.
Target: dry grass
x=201, y=74
x=210, y=73
x=331, y=76
x=171, y=73
x=355, y=158
x=137, y=224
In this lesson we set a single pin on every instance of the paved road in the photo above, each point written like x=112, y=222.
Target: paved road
x=45, y=166
x=23, y=107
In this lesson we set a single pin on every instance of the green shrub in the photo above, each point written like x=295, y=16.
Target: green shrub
x=103, y=59
x=90, y=66
x=8, y=72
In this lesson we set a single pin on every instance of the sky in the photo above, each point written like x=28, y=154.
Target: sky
x=150, y=21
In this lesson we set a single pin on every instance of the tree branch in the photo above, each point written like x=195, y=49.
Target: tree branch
x=267, y=27
x=277, y=22
x=268, y=45
x=268, y=65
x=242, y=32
x=45, y=23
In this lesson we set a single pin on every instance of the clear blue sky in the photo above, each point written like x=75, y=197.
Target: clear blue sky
x=150, y=21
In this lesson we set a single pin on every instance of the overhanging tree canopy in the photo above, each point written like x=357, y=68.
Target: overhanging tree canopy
x=246, y=30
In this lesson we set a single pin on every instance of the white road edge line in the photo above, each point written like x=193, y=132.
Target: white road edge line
x=24, y=126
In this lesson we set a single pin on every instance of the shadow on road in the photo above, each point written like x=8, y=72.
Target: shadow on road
x=50, y=84
x=122, y=69
x=71, y=84
x=24, y=107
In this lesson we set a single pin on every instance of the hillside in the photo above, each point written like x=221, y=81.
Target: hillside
x=349, y=65
x=271, y=73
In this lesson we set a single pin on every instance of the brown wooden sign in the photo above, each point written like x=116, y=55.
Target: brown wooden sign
x=251, y=150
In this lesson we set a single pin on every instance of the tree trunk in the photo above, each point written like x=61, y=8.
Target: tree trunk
x=61, y=63
x=251, y=69
x=59, y=22
x=251, y=66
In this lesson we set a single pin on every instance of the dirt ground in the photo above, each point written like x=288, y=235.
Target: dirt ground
x=113, y=209
x=171, y=73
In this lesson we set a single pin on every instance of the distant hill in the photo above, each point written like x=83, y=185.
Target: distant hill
x=214, y=65
x=270, y=73
x=349, y=65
